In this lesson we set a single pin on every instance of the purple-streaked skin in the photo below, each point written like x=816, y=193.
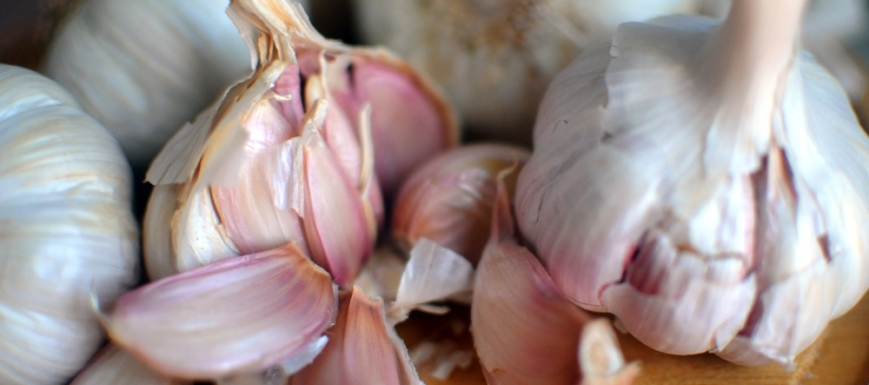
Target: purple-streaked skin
x=234, y=316
x=363, y=348
x=449, y=199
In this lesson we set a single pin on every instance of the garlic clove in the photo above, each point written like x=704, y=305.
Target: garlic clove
x=335, y=220
x=433, y=273
x=363, y=348
x=410, y=122
x=448, y=200
x=525, y=330
x=233, y=316
x=601, y=359
x=113, y=365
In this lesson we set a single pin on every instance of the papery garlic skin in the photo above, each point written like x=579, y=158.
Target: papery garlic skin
x=67, y=231
x=495, y=58
x=449, y=199
x=143, y=68
x=705, y=183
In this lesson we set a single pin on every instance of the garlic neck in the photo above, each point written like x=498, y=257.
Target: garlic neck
x=758, y=41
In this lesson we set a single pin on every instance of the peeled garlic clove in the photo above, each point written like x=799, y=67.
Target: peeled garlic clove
x=362, y=349
x=66, y=229
x=233, y=316
x=449, y=199
x=144, y=68
x=727, y=203
x=525, y=330
x=113, y=365
x=495, y=58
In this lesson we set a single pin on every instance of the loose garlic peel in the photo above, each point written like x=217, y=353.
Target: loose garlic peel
x=266, y=166
x=190, y=325
x=66, y=229
x=703, y=174
x=113, y=365
x=144, y=67
x=494, y=58
x=525, y=330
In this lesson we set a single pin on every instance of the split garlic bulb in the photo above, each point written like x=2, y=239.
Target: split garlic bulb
x=297, y=153
x=495, y=58
x=707, y=183
x=66, y=229
x=143, y=68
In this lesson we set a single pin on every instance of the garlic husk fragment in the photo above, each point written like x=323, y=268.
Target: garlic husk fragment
x=706, y=174
x=495, y=58
x=601, y=359
x=363, y=348
x=525, y=330
x=290, y=154
x=449, y=199
x=66, y=229
x=143, y=68
x=235, y=316
x=113, y=365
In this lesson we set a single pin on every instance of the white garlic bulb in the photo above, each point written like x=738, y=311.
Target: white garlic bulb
x=66, y=229
x=143, y=68
x=495, y=58
x=706, y=182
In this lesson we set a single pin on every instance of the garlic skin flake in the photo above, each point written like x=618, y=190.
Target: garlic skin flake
x=143, y=68
x=706, y=183
x=235, y=316
x=495, y=58
x=449, y=199
x=66, y=229
x=525, y=330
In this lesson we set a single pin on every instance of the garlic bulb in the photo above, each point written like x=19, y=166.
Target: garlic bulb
x=66, y=229
x=704, y=182
x=493, y=57
x=143, y=68
x=449, y=199
x=525, y=330
x=296, y=153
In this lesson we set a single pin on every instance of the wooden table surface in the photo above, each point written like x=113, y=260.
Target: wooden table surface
x=839, y=357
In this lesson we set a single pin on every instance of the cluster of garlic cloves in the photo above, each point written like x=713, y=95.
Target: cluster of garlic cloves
x=311, y=134
x=449, y=199
x=525, y=330
x=704, y=182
